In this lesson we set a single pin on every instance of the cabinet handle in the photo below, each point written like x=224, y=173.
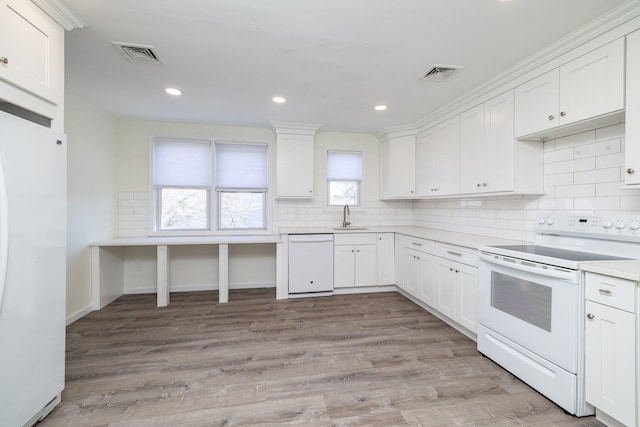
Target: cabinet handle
x=4, y=60
x=416, y=244
x=631, y=171
x=590, y=316
x=454, y=253
x=450, y=269
x=604, y=291
x=457, y=271
x=478, y=185
x=551, y=117
x=411, y=191
x=562, y=114
x=484, y=184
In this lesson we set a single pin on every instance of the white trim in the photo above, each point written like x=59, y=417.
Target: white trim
x=201, y=287
x=62, y=13
x=365, y=290
x=295, y=128
x=79, y=314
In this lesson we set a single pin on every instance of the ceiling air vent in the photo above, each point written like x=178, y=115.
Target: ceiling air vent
x=440, y=73
x=138, y=52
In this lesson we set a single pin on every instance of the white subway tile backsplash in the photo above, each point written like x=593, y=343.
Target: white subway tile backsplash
x=596, y=203
x=558, y=155
x=577, y=165
x=597, y=149
x=610, y=160
x=610, y=132
x=597, y=176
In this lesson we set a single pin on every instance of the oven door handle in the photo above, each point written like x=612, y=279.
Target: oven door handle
x=568, y=275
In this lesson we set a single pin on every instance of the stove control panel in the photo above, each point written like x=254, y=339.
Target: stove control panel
x=613, y=227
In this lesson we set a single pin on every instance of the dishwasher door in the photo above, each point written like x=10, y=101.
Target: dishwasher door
x=310, y=263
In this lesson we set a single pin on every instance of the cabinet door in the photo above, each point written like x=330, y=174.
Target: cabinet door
x=448, y=157
x=445, y=298
x=593, y=84
x=294, y=165
x=426, y=266
x=632, y=125
x=411, y=271
x=365, y=265
x=32, y=45
x=399, y=260
x=344, y=262
x=385, y=259
x=471, y=150
x=426, y=163
x=467, y=296
x=398, y=169
x=610, y=364
x=498, y=145
x=536, y=104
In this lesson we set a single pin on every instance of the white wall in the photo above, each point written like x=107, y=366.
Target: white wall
x=582, y=172
x=91, y=177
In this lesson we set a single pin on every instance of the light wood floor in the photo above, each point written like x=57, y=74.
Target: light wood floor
x=369, y=360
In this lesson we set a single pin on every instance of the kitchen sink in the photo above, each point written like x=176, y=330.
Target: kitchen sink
x=350, y=228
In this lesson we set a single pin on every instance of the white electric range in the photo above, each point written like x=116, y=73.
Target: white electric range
x=531, y=300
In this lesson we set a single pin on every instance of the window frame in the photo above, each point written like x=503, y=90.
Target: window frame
x=213, y=229
x=360, y=182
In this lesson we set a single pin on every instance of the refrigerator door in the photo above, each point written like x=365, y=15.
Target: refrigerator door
x=32, y=312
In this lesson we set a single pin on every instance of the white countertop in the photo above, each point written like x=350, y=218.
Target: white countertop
x=629, y=270
x=186, y=240
x=461, y=239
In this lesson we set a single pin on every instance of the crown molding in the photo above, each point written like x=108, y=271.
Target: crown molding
x=599, y=27
x=397, y=131
x=62, y=13
x=294, y=128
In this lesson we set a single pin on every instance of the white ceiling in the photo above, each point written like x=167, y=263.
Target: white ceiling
x=332, y=59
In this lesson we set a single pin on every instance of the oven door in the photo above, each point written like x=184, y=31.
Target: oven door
x=530, y=308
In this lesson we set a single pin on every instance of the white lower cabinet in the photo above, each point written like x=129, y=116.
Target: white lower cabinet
x=443, y=277
x=385, y=249
x=354, y=260
x=611, y=364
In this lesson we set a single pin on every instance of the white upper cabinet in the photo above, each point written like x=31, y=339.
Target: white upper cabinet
x=397, y=167
x=294, y=159
x=438, y=160
x=31, y=50
x=564, y=100
x=632, y=126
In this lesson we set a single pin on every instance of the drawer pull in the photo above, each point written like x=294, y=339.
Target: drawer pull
x=631, y=171
x=605, y=291
x=4, y=60
x=416, y=244
x=454, y=253
x=590, y=316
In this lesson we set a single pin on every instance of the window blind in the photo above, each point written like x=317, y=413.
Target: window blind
x=241, y=166
x=182, y=163
x=344, y=166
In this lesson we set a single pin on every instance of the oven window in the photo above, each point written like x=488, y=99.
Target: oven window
x=528, y=301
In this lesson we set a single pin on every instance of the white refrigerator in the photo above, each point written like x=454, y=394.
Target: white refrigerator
x=32, y=269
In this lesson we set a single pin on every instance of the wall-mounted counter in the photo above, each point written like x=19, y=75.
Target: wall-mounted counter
x=107, y=258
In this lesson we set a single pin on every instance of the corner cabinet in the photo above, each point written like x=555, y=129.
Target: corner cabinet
x=491, y=159
x=562, y=100
x=632, y=125
x=397, y=166
x=611, y=355
x=294, y=159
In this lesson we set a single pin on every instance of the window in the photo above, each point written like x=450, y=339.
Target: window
x=344, y=176
x=241, y=184
x=182, y=184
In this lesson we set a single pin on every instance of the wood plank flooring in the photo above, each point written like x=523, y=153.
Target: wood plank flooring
x=352, y=360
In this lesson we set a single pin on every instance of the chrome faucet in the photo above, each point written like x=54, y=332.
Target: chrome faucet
x=345, y=212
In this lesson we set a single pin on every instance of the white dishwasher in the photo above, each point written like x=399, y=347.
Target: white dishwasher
x=310, y=263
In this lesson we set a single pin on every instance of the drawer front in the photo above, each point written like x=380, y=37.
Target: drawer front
x=611, y=291
x=421, y=245
x=354, y=239
x=457, y=253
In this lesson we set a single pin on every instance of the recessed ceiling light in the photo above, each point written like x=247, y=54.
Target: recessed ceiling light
x=278, y=100
x=173, y=91
x=380, y=107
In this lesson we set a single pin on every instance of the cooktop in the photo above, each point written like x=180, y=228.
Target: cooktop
x=563, y=254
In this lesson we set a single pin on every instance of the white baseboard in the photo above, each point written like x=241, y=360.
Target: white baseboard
x=79, y=314
x=201, y=287
x=364, y=290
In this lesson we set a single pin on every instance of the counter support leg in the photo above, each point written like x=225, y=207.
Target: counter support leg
x=223, y=269
x=163, y=276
